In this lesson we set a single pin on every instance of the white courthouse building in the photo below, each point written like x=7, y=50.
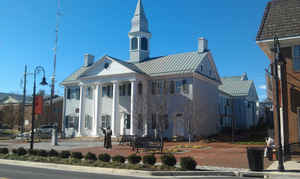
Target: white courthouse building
x=136, y=96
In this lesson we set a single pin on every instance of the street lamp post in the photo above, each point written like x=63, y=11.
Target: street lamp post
x=276, y=63
x=38, y=69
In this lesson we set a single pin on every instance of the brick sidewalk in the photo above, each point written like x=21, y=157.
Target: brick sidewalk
x=212, y=154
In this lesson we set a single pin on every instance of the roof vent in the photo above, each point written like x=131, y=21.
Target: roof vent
x=88, y=60
x=244, y=76
x=202, y=45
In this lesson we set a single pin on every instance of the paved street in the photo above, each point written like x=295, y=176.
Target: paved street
x=17, y=172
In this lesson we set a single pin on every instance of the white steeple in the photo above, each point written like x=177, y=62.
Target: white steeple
x=139, y=35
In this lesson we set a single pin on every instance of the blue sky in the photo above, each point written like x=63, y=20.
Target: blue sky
x=99, y=27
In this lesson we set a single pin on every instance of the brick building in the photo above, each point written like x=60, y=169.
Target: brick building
x=282, y=18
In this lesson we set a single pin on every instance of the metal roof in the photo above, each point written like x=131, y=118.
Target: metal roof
x=172, y=64
x=235, y=86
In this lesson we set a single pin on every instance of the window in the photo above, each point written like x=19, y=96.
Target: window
x=140, y=88
x=178, y=87
x=296, y=58
x=73, y=93
x=185, y=87
x=140, y=121
x=129, y=89
x=72, y=122
x=127, y=119
x=144, y=43
x=68, y=93
x=109, y=91
x=88, y=122
x=104, y=91
x=134, y=43
x=165, y=87
x=106, y=121
x=122, y=90
x=153, y=87
x=89, y=92
x=153, y=121
x=172, y=87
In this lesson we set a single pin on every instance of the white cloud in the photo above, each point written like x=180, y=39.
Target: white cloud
x=263, y=87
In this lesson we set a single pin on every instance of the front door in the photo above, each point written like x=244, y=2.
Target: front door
x=126, y=125
x=178, y=129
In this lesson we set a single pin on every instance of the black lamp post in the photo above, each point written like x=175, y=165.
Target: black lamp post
x=38, y=69
x=276, y=63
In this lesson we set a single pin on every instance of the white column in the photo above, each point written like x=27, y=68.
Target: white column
x=96, y=109
x=132, y=114
x=80, y=110
x=122, y=132
x=115, y=108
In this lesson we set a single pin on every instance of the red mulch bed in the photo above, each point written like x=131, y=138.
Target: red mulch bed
x=212, y=154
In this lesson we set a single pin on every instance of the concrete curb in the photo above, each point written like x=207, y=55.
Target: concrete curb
x=112, y=171
x=126, y=172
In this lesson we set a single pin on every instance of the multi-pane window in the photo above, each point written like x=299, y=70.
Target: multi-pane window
x=122, y=90
x=89, y=92
x=140, y=88
x=153, y=87
x=178, y=87
x=127, y=119
x=185, y=87
x=88, y=122
x=172, y=87
x=296, y=58
x=106, y=121
x=129, y=89
x=107, y=91
x=140, y=121
x=71, y=122
x=73, y=93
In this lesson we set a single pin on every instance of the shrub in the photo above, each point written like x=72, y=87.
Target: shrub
x=134, y=159
x=149, y=159
x=14, y=151
x=42, y=153
x=21, y=151
x=168, y=159
x=77, y=155
x=52, y=153
x=90, y=156
x=4, y=151
x=104, y=157
x=119, y=159
x=188, y=163
x=65, y=154
x=32, y=152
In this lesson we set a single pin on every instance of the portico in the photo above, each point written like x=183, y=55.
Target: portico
x=111, y=104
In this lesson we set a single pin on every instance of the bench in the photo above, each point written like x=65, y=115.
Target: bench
x=126, y=139
x=146, y=143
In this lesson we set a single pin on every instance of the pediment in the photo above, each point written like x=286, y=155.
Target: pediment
x=107, y=66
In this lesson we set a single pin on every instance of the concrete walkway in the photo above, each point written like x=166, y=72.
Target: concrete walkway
x=290, y=166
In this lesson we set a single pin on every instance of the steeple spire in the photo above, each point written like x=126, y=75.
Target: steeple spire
x=139, y=35
x=139, y=22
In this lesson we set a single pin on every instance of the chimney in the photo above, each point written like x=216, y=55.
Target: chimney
x=88, y=60
x=202, y=45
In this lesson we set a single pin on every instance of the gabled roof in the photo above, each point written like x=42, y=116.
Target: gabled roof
x=234, y=86
x=13, y=98
x=166, y=65
x=281, y=17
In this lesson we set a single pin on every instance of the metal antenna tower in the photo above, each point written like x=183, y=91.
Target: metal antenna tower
x=58, y=14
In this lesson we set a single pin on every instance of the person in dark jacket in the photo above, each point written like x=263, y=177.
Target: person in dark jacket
x=107, y=137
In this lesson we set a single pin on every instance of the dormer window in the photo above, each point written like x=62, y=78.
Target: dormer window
x=134, y=43
x=296, y=58
x=144, y=43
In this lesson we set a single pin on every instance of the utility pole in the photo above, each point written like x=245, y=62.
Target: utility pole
x=58, y=14
x=24, y=101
